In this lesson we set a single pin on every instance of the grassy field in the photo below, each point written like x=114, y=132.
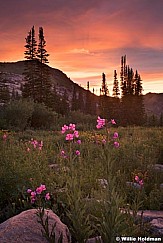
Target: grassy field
x=89, y=183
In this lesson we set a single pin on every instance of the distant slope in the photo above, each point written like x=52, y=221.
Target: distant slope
x=153, y=103
x=13, y=74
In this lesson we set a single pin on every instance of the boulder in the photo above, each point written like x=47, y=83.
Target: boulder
x=157, y=225
x=24, y=227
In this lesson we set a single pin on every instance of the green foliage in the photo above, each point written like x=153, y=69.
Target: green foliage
x=42, y=117
x=18, y=113
x=87, y=207
x=77, y=214
x=83, y=121
x=49, y=235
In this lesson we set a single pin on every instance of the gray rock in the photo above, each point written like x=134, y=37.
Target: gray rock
x=133, y=184
x=24, y=227
x=157, y=224
x=95, y=240
x=158, y=167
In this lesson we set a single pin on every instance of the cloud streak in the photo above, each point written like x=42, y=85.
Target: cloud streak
x=89, y=37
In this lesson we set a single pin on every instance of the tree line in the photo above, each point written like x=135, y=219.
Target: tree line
x=38, y=86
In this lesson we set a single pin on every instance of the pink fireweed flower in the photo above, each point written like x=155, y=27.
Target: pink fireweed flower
x=33, y=194
x=113, y=121
x=4, y=137
x=40, y=189
x=101, y=122
x=69, y=136
x=34, y=143
x=33, y=199
x=47, y=196
x=79, y=141
x=137, y=178
x=77, y=152
x=115, y=135
x=29, y=191
x=62, y=152
x=103, y=141
x=64, y=129
x=40, y=145
x=76, y=134
x=141, y=183
x=72, y=127
x=116, y=144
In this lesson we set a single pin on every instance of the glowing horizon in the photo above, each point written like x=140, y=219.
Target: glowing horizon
x=86, y=38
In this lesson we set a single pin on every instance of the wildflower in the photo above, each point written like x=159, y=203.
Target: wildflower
x=28, y=149
x=116, y=144
x=103, y=141
x=77, y=152
x=113, y=121
x=64, y=129
x=101, y=122
x=4, y=137
x=62, y=152
x=40, y=189
x=47, y=196
x=79, y=141
x=69, y=136
x=141, y=183
x=33, y=199
x=115, y=135
x=72, y=127
x=33, y=194
x=137, y=178
x=76, y=134
x=40, y=145
x=34, y=143
x=29, y=191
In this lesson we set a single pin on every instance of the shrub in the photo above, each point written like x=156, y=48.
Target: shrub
x=42, y=117
x=18, y=113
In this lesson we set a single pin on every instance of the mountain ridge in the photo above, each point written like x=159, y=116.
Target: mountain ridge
x=13, y=74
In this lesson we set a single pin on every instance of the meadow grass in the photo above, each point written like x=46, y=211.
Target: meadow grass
x=83, y=201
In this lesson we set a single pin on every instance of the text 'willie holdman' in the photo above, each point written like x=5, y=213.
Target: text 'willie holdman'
x=137, y=239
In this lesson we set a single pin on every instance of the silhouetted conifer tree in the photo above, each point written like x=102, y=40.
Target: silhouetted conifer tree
x=30, y=69
x=133, y=111
x=42, y=54
x=88, y=85
x=31, y=45
x=116, y=91
x=37, y=78
x=104, y=88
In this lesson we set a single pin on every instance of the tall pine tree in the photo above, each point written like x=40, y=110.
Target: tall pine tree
x=116, y=91
x=43, y=81
x=30, y=69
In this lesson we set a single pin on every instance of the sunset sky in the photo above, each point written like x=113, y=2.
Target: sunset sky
x=88, y=37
